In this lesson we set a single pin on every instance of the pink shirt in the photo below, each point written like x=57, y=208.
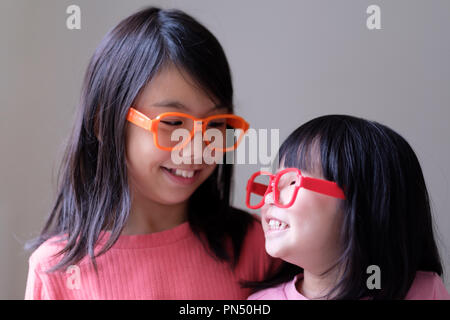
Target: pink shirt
x=426, y=286
x=172, y=264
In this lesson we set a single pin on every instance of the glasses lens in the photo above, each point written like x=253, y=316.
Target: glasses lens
x=258, y=188
x=286, y=187
x=174, y=130
x=224, y=132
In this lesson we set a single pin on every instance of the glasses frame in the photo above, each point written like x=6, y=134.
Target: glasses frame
x=325, y=187
x=141, y=120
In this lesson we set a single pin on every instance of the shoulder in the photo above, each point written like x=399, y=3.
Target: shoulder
x=250, y=228
x=47, y=254
x=274, y=293
x=427, y=286
x=254, y=236
x=254, y=262
x=40, y=261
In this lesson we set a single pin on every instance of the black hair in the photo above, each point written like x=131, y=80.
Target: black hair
x=93, y=193
x=387, y=218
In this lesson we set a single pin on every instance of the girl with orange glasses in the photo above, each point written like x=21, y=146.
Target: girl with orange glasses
x=129, y=223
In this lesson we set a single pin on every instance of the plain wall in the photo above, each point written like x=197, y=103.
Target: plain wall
x=291, y=61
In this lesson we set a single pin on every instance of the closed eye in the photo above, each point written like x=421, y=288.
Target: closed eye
x=172, y=122
x=216, y=124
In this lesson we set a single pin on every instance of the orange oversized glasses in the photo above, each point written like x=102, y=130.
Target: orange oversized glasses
x=231, y=128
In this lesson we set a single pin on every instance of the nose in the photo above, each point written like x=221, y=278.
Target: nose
x=193, y=151
x=269, y=198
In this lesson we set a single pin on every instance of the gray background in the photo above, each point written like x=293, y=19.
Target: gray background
x=291, y=61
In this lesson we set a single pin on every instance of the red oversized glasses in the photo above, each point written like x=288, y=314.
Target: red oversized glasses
x=283, y=188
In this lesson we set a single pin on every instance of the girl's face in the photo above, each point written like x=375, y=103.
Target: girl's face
x=312, y=235
x=151, y=171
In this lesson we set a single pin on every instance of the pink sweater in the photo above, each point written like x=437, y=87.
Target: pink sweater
x=426, y=286
x=172, y=264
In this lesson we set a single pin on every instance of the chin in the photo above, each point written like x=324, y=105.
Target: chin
x=274, y=250
x=174, y=200
x=168, y=198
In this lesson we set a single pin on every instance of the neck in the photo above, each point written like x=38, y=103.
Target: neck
x=147, y=216
x=314, y=286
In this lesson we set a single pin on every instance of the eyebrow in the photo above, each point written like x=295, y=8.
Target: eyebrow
x=179, y=105
x=171, y=103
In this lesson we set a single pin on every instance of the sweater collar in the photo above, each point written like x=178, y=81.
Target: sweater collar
x=148, y=240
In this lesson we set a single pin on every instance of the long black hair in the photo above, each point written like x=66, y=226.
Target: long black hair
x=387, y=217
x=93, y=193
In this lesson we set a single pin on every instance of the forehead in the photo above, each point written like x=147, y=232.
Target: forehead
x=173, y=88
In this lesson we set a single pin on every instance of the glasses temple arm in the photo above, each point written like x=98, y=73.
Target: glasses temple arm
x=258, y=188
x=139, y=119
x=321, y=186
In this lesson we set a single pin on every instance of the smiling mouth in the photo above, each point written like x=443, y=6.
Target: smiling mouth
x=182, y=173
x=181, y=176
x=276, y=225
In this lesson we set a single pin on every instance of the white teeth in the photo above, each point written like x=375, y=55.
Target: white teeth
x=278, y=225
x=183, y=173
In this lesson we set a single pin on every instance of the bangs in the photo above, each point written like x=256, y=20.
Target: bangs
x=304, y=154
x=196, y=51
x=318, y=147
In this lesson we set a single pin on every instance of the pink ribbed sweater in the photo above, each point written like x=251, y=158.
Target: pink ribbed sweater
x=172, y=264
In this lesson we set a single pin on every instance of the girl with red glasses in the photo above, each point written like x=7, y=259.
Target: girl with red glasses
x=348, y=212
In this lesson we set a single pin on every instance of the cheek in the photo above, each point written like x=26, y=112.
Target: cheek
x=141, y=153
x=316, y=220
x=142, y=156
